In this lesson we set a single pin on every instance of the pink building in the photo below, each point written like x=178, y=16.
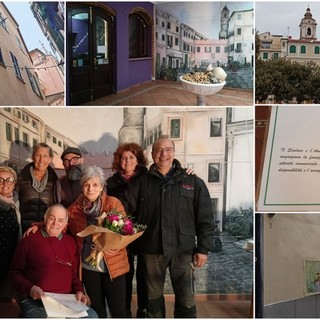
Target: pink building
x=51, y=77
x=211, y=51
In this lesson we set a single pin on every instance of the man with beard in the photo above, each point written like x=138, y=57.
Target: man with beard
x=70, y=183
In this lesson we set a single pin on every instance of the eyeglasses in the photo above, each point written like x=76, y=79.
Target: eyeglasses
x=10, y=180
x=70, y=161
x=64, y=262
x=164, y=150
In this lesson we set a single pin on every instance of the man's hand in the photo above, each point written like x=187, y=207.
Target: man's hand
x=36, y=293
x=80, y=296
x=200, y=260
x=189, y=171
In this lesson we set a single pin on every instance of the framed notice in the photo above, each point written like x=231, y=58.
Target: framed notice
x=291, y=170
x=312, y=276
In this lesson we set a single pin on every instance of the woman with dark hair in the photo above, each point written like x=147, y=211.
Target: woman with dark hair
x=129, y=164
x=37, y=186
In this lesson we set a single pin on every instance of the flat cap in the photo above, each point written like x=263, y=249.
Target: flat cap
x=71, y=150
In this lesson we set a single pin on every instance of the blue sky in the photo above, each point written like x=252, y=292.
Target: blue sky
x=28, y=25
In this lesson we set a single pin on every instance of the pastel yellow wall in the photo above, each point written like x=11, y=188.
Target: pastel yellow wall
x=289, y=239
x=14, y=91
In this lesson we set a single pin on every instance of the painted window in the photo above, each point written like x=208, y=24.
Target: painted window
x=215, y=127
x=8, y=132
x=214, y=172
x=303, y=49
x=25, y=139
x=175, y=128
x=316, y=50
x=16, y=135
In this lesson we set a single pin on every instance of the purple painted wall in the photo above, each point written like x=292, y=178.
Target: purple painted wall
x=133, y=71
x=127, y=72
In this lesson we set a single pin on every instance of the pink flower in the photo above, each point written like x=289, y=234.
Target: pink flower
x=128, y=227
x=113, y=217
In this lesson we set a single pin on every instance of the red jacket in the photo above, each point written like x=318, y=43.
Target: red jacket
x=117, y=264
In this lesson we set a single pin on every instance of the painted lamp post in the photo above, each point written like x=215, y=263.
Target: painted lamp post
x=204, y=83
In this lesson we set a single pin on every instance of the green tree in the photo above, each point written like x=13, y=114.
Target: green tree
x=287, y=80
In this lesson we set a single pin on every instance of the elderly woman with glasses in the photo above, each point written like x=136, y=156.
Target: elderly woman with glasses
x=106, y=285
x=9, y=224
x=37, y=186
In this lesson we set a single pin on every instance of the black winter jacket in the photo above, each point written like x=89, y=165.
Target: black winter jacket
x=33, y=204
x=9, y=235
x=176, y=209
x=116, y=184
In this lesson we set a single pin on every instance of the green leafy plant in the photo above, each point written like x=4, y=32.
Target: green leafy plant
x=239, y=223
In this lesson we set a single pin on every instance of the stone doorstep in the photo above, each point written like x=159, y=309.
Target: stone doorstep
x=210, y=297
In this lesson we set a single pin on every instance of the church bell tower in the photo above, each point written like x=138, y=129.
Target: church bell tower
x=308, y=27
x=223, y=34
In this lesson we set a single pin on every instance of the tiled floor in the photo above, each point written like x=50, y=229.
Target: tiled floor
x=171, y=93
x=208, y=306
x=213, y=306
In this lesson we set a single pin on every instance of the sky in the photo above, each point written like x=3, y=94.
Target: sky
x=276, y=17
x=28, y=25
x=202, y=16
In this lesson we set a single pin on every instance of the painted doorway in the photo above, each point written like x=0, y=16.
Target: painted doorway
x=91, y=56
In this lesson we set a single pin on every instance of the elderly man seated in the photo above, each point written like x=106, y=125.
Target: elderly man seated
x=46, y=261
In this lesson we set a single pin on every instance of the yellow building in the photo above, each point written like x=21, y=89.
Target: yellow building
x=302, y=50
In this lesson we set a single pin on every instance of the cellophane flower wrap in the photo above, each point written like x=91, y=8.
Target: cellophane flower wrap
x=112, y=232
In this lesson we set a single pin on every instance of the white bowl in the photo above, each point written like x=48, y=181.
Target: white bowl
x=202, y=89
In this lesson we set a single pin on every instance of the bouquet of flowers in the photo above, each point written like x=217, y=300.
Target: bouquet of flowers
x=112, y=232
x=115, y=222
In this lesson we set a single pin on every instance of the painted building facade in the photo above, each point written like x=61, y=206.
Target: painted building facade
x=179, y=45
x=20, y=130
x=213, y=52
x=216, y=143
x=240, y=37
x=19, y=81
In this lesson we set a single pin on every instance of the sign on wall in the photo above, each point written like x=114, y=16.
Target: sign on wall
x=291, y=170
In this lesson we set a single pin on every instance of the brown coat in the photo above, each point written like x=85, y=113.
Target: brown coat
x=117, y=264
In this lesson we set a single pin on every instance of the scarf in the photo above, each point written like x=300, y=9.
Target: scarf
x=91, y=209
x=39, y=186
x=13, y=201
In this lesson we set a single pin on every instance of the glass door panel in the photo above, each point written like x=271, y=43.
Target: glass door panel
x=80, y=39
x=101, y=41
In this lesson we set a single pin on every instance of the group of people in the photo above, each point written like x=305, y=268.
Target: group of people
x=174, y=205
